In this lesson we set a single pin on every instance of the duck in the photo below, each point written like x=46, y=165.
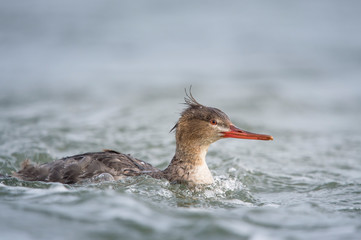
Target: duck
x=197, y=128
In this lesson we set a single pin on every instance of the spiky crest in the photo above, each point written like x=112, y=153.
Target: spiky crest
x=190, y=100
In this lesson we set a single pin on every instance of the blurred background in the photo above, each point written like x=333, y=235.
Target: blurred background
x=80, y=76
x=77, y=46
x=235, y=51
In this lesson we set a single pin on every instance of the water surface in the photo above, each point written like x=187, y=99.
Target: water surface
x=79, y=77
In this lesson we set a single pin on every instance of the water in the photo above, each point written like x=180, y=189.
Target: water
x=78, y=77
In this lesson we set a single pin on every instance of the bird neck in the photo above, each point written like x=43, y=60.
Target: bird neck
x=189, y=165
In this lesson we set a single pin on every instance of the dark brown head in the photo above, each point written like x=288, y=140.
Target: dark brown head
x=204, y=125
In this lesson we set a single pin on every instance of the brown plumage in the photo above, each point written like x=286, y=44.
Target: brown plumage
x=196, y=129
x=84, y=166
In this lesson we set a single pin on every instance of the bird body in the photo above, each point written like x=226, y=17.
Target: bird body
x=198, y=127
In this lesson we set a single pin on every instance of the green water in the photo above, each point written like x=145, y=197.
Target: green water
x=303, y=185
x=93, y=75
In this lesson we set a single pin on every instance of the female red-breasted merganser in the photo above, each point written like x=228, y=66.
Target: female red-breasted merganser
x=196, y=129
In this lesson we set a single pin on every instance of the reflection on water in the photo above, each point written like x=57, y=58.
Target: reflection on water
x=84, y=76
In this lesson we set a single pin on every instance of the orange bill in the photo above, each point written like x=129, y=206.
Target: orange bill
x=235, y=132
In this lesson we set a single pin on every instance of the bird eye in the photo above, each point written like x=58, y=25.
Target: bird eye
x=213, y=122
